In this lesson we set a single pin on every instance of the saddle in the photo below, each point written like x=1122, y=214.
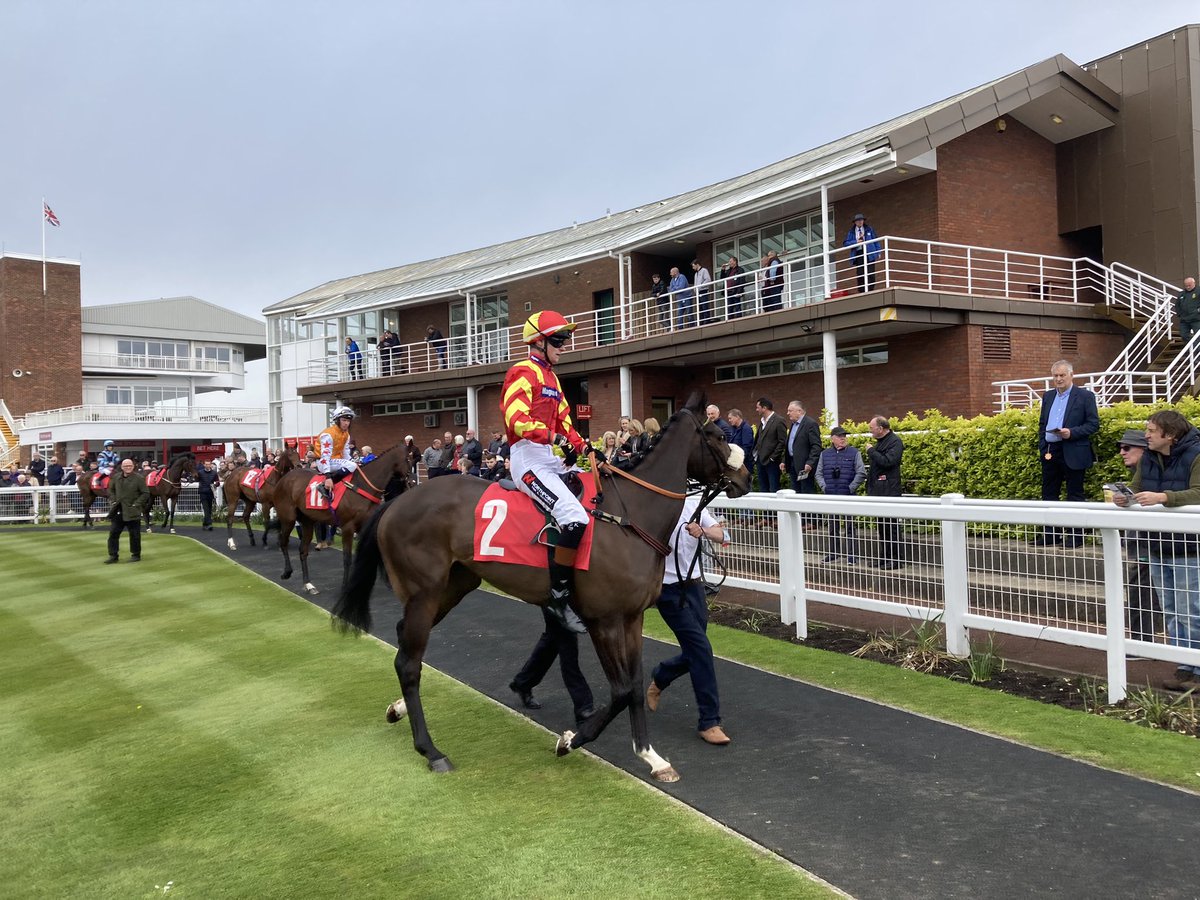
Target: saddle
x=99, y=482
x=510, y=528
x=314, y=495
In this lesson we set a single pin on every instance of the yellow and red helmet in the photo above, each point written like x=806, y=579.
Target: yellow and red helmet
x=546, y=324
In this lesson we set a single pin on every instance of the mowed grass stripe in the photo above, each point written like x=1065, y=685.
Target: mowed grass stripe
x=182, y=720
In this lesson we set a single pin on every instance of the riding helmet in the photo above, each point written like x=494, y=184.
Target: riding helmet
x=342, y=412
x=545, y=324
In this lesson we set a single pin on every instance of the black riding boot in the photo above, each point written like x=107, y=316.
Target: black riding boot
x=562, y=586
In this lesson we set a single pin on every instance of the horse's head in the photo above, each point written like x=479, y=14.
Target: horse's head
x=184, y=462
x=712, y=460
x=393, y=465
x=287, y=460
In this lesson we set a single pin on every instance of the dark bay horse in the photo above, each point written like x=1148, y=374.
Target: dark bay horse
x=166, y=490
x=385, y=475
x=424, y=539
x=234, y=489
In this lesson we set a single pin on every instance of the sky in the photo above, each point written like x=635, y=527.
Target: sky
x=245, y=152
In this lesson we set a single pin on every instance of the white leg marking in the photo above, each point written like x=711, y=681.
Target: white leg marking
x=397, y=711
x=650, y=757
x=311, y=588
x=232, y=545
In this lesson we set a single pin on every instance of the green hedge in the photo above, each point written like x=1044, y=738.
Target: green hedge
x=997, y=456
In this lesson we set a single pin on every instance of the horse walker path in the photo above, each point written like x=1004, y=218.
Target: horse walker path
x=876, y=801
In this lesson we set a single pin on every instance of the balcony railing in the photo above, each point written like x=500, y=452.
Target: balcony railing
x=155, y=363
x=130, y=413
x=902, y=263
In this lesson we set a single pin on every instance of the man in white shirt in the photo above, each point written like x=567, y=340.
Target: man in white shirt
x=685, y=610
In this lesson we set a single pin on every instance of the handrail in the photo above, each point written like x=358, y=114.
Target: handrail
x=101, y=412
x=141, y=362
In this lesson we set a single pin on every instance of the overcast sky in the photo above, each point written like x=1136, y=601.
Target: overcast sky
x=244, y=152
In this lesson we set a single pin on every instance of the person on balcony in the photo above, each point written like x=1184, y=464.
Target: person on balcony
x=1187, y=307
x=354, y=359
x=1169, y=473
x=864, y=251
x=658, y=292
x=389, y=349
x=703, y=282
x=686, y=315
x=772, y=282
x=735, y=284
x=1065, y=428
x=437, y=341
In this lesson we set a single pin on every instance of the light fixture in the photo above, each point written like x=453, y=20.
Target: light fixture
x=901, y=170
x=806, y=327
x=1056, y=118
x=1001, y=124
x=680, y=241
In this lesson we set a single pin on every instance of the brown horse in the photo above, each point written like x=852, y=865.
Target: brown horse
x=234, y=489
x=425, y=541
x=384, y=476
x=166, y=490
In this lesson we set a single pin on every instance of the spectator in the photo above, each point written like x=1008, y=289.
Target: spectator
x=1145, y=615
x=864, y=251
x=255, y=460
x=37, y=467
x=493, y=469
x=770, y=444
x=658, y=291
x=432, y=458
x=72, y=475
x=839, y=472
x=684, y=608
x=884, y=456
x=206, y=485
x=685, y=316
x=463, y=466
x=435, y=340
x=623, y=434
x=703, y=292
x=473, y=450
x=608, y=444
x=714, y=415
x=803, y=449
x=558, y=643
x=732, y=276
x=637, y=441
x=1068, y=421
x=772, y=282
x=367, y=455
x=54, y=472
x=389, y=348
x=128, y=499
x=741, y=434
x=652, y=429
x=1169, y=473
x=496, y=442
x=1187, y=307
x=354, y=359
x=413, y=454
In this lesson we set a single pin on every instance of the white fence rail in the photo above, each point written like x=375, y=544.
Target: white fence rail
x=114, y=412
x=954, y=564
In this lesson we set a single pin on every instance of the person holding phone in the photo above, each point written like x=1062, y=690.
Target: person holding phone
x=1069, y=419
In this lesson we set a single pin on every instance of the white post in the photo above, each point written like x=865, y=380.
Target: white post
x=622, y=284
x=626, y=391
x=955, y=584
x=825, y=226
x=43, y=212
x=473, y=408
x=1114, y=613
x=829, y=366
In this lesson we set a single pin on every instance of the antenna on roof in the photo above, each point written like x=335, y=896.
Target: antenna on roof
x=608, y=212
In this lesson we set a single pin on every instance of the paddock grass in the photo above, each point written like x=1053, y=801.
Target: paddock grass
x=1158, y=755
x=181, y=723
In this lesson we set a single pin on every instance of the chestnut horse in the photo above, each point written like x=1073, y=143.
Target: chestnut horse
x=424, y=540
x=166, y=490
x=385, y=475
x=234, y=490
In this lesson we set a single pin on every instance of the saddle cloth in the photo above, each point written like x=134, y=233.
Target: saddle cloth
x=507, y=524
x=254, y=479
x=314, y=497
x=155, y=477
x=99, y=482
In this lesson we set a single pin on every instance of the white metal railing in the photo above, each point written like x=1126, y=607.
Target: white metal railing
x=62, y=504
x=902, y=263
x=952, y=567
x=9, y=449
x=142, y=362
x=103, y=412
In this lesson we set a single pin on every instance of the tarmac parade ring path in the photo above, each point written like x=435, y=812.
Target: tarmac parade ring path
x=878, y=802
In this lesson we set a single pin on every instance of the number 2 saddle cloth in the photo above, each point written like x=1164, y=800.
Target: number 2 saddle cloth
x=508, y=525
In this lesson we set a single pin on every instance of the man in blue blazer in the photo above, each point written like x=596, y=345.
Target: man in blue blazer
x=1068, y=421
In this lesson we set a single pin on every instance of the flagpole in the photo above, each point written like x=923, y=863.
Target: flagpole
x=43, y=246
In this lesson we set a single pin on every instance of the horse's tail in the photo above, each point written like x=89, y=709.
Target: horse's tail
x=352, y=612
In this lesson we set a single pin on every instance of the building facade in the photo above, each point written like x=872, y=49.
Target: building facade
x=1043, y=215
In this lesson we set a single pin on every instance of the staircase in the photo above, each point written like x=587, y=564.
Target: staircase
x=9, y=444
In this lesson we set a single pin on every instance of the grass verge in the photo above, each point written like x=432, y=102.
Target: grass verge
x=181, y=722
x=1158, y=755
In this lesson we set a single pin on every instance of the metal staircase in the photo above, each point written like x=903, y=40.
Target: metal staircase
x=9, y=444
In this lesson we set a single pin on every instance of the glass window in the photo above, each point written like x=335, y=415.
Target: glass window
x=795, y=236
x=847, y=358
x=772, y=239
x=747, y=370
x=747, y=252
x=726, y=373
x=793, y=365
x=773, y=367
x=874, y=355
x=722, y=251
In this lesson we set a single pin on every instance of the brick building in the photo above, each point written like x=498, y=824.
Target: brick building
x=1035, y=217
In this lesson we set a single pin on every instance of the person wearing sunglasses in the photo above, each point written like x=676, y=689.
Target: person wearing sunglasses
x=537, y=417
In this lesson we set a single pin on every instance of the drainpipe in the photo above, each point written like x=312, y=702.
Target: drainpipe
x=829, y=348
x=626, y=391
x=825, y=246
x=473, y=409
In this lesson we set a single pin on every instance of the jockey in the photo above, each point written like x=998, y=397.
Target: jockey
x=107, y=459
x=332, y=447
x=537, y=416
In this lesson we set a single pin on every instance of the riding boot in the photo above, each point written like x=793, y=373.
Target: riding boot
x=562, y=587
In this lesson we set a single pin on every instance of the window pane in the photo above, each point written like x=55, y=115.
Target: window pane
x=772, y=239
x=793, y=365
x=847, y=358
x=726, y=373
x=771, y=367
x=749, y=370
x=458, y=312
x=795, y=236
x=722, y=250
x=874, y=354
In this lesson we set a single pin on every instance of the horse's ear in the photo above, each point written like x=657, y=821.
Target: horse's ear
x=697, y=402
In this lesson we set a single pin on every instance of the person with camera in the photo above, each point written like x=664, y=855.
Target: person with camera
x=840, y=470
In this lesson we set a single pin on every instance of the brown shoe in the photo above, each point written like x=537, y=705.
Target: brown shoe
x=715, y=735
x=652, y=694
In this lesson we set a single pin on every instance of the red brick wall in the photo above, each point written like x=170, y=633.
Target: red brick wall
x=39, y=334
x=908, y=209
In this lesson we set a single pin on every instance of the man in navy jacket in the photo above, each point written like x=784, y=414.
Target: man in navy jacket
x=1068, y=421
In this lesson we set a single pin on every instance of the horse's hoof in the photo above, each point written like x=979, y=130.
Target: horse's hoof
x=441, y=766
x=286, y=575
x=232, y=544
x=666, y=776
x=311, y=588
x=396, y=712
x=172, y=531
x=563, y=747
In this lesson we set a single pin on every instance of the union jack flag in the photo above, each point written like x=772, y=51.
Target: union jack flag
x=49, y=214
